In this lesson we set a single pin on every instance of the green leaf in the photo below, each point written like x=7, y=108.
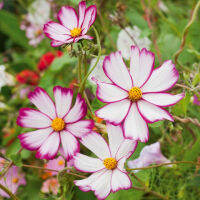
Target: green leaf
x=9, y=25
x=16, y=158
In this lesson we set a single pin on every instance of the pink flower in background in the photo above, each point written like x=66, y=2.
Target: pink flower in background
x=108, y=173
x=12, y=180
x=136, y=96
x=56, y=164
x=1, y=5
x=196, y=100
x=150, y=154
x=57, y=123
x=72, y=27
x=50, y=186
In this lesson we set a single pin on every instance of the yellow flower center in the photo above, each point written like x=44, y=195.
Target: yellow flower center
x=110, y=163
x=15, y=180
x=75, y=32
x=58, y=124
x=60, y=162
x=135, y=94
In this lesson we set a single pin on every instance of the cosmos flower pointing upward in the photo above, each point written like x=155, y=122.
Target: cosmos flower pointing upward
x=72, y=27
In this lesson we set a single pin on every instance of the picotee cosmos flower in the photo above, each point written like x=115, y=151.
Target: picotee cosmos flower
x=136, y=96
x=108, y=170
x=56, y=123
x=72, y=27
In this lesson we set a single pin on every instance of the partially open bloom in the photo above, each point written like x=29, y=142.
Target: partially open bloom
x=47, y=59
x=56, y=123
x=136, y=96
x=125, y=40
x=108, y=170
x=50, y=186
x=72, y=27
x=56, y=164
x=12, y=180
x=150, y=154
x=28, y=77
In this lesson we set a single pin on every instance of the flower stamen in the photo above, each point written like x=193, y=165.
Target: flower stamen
x=135, y=94
x=15, y=180
x=58, y=124
x=75, y=32
x=60, y=162
x=110, y=163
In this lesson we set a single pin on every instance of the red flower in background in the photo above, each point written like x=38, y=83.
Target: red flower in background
x=28, y=77
x=47, y=59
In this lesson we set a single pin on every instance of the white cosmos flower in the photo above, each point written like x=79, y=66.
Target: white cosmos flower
x=150, y=154
x=5, y=78
x=98, y=72
x=136, y=96
x=108, y=173
x=124, y=41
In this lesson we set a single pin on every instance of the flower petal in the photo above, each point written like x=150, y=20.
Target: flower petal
x=49, y=149
x=31, y=118
x=55, y=43
x=78, y=111
x=90, y=16
x=87, y=164
x=68, y=17
x=69, y=143
x=95, y=143
x=141, y=65
x=63, y=100
x=162, y=78
x=108, y=93
x=43, y=102
x=81, y=10
x=116, y=70
x=162, y=99
x=115, y=136
x=126, y=149
x=56, y=31
x=152, y=113
x=80, y=128
x=120, y=181
x=114, y=112
x=135, y=126
x=86, y=37
x=34, y=139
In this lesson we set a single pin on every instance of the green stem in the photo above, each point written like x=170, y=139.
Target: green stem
x=6, y=190
x=82, y=85
x=162, y=164
x=79, y=68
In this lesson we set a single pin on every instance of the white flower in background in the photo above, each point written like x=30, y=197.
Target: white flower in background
x=98, y=72
x=124, y=41
x=39, y=12
x=5, y=78
x=150, y=154
x=162, y=6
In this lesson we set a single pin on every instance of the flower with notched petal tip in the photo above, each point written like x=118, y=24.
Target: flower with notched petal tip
x=108, y=173
x=57, y=123
x=135, y=97
x=72, y=27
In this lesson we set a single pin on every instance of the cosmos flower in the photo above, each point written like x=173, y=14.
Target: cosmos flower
x=150, y=154
x=47, y=59
x=5, y=78
x=12, y=180
x=108, y=173
x=56, y=164
x=51, y=185
x=72, y=27
x=28, y=77
x=98, y=72
x=125, y=41
x=136, y=96
x=196, y=99
x=56, y=123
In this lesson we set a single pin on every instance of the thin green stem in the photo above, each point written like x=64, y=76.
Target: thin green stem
x=162, y=164
x=6, y=190
x=82, y=85
x=79, y=68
